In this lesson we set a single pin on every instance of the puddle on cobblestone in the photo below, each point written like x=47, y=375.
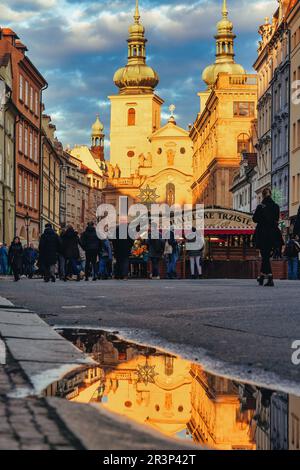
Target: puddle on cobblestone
x=178, y=398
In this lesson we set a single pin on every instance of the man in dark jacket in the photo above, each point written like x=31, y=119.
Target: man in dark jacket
x=15, y=257
x=267, y=234
x=91, y=245
x=30, y=256
x=156, y=246
x=48, y=252
x=297, y=224
x=70, y=250
x=122, y=250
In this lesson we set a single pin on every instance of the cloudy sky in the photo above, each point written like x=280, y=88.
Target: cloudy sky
x=78, y=45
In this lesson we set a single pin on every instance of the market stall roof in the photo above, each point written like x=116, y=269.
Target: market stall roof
x=219, y=221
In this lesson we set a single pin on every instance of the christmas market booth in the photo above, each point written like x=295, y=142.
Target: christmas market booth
x=229, y=251
x=229, y=246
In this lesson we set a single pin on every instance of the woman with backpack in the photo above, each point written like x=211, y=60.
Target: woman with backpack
x=267, y=235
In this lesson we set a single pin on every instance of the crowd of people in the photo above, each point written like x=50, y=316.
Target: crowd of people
x=68, y=255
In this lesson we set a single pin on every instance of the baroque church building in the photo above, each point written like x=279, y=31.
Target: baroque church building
x=149, y=162
x=153, y=162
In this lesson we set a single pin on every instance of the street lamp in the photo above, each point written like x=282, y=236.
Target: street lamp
x=27, y=225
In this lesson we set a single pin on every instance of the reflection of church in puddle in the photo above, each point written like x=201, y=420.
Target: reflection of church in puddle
x=143, y=153
x=162, y=391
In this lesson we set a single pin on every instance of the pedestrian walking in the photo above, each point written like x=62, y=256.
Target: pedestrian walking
x=61, y=258
x=171, y=253
x=3, y=259
x=70, y=250
x=292, y=250
x=296, y=230
x=49, y=248
x=194, y=251
x=156, y=246
x=91, y=245
x=122, y=249
x=267, y=235
x=15, y=258
x=105, y=259
x=30, y=256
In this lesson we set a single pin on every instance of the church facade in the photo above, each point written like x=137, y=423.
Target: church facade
x=146, y=157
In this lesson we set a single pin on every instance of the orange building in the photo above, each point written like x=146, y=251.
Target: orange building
x=222, y=130
x=27, y=87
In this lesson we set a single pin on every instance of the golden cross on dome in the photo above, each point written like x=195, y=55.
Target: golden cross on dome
x=137, y=12
x=172, y=109
x=224, y=10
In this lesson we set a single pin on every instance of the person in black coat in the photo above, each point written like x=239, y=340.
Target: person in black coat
x=297, y=224
x=15, y=258
x=49, y=248
x=122, y=250
x=267, y=234
x=156, y=247
x=91, y=245
x=70, y=250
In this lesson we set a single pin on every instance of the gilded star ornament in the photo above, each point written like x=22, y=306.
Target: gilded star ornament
x=172, y=109
x=146, y=374
x=148, y=195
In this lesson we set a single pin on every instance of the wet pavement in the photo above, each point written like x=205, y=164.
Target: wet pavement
x=178, y=398
x=223, y=323
x=220, y=335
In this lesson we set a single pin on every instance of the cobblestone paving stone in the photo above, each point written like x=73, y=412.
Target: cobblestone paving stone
x=29, y=423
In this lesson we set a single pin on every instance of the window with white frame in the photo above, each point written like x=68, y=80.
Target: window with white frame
x=31, y=98
x=26, y=141
x=30, y=192
x=20, y=187
x=26, y=92
x=35, y=149
x=31, y=145
x=35, y=195
x=36, y=103
x=20, y=137
x=25, y=190
x=21, y=88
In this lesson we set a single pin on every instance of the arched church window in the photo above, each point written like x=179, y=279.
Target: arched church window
x=182, y=150
x=170, y=194
x=131, y=117
x=159, y=151
x=243, y=144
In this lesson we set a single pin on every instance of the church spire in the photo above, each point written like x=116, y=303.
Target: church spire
x=224, y=10
x=224, y=51
x=137, y=13
x=136, y=77
x=225, y=37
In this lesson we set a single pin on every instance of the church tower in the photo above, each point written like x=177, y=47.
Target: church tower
x=97, y=136
x=136, y=110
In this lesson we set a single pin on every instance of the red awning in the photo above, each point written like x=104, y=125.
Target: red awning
x=221, y=231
